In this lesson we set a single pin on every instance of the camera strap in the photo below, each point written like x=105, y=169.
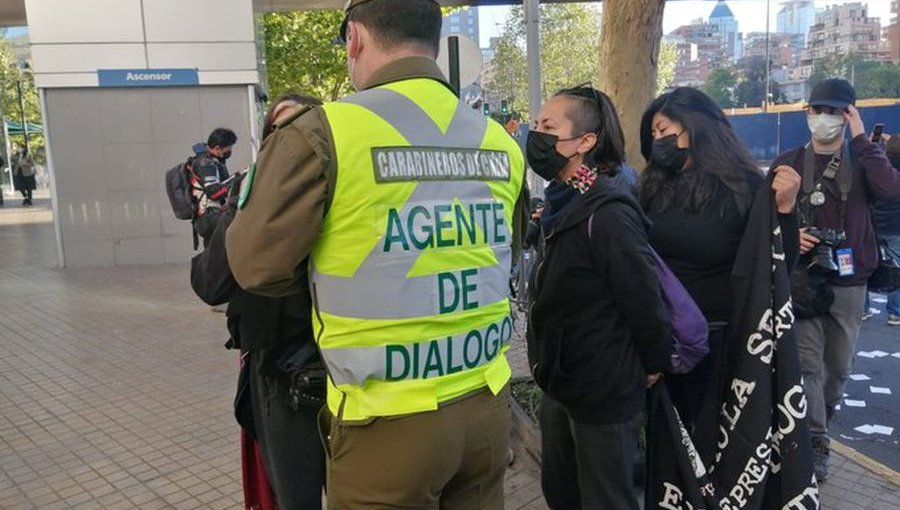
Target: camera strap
x=840, y=167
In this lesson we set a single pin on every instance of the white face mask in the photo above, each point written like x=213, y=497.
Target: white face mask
x=825, y=127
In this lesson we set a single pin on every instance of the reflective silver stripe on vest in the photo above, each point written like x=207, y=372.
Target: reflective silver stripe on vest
x=380, y=288
x=421, y=360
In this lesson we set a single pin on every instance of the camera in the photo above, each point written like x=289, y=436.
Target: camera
x=822, y=256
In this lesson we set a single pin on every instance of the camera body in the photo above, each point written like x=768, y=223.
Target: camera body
x=822, y=256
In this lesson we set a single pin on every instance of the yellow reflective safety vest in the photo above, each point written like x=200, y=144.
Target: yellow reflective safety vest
x=410, y=275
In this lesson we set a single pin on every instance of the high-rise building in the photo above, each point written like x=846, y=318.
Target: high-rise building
x=795, y=17
x=462, y=22
x=845, y=29
x=722, y=17
x=892, y=33
x=700, y=48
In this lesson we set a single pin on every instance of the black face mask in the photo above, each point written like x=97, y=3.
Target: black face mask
x=666, y=155
x=225, y=155
x=544, y=159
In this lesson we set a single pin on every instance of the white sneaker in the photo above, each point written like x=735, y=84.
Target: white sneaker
x=893, y=320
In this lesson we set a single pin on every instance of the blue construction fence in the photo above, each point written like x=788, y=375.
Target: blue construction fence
x=770, y=134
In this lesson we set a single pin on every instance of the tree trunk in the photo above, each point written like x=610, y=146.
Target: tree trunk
x=629, y=53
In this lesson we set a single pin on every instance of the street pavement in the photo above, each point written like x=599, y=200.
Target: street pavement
x=116, y=392
x=876, y=370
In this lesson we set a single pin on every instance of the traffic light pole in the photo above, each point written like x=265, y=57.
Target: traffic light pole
x=453, y=56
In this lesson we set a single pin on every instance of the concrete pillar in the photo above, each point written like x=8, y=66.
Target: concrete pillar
x=110, y=145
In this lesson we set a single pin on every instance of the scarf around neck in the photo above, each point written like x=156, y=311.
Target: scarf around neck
x=559, y=196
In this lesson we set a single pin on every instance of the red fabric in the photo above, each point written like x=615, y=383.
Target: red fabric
x=258, y=494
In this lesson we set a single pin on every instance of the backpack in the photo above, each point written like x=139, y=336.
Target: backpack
x=690, y=332
x=180, y=190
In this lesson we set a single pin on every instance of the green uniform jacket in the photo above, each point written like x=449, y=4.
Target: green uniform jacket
x=274, y=232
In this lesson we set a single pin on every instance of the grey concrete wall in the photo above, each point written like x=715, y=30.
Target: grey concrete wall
x=110, y=150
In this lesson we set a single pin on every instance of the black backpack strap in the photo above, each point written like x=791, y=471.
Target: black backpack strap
x=845, y=179
x=809, y=168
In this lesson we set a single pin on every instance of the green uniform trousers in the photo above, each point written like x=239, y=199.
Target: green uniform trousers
x=448, y=459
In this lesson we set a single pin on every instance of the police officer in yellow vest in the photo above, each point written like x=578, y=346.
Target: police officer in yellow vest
x=403, y=203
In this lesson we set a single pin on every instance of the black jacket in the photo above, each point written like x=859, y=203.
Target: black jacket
x=273, y=329
x=598, y=324
x=886, y=215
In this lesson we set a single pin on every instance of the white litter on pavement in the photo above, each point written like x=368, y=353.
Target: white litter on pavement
x=854, y=403
x=880, y=390
x=860, y=377
x=872, y=354
x=882, y=429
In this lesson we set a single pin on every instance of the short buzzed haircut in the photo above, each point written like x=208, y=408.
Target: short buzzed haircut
x=396, y=23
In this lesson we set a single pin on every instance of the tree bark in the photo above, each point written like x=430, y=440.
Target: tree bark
x=631, y=32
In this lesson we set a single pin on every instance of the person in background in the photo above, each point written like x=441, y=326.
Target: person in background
x=697, y=190
x=23, y=174
x=599, y=331
x=211, y=180
x=282, y=377
x=843, y=173
x=886, y=216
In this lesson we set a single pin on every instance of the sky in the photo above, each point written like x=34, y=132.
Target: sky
x=750, y=14
x=13, y=32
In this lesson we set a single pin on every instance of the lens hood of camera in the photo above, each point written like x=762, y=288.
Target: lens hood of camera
x=822, y=261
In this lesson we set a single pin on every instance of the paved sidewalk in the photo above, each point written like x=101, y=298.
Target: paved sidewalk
x=116, y=392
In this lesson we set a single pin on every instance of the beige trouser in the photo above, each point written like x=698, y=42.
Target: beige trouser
x=449, y=459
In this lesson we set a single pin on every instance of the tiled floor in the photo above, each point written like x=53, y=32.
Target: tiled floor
x=115, y=389
x=116, y=392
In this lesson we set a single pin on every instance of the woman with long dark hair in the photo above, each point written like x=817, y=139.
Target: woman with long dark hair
x=598, y=331
x=697, y=190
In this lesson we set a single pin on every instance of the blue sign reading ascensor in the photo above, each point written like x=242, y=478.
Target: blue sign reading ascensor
x=147, y=77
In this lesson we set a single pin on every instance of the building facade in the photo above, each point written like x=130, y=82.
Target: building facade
x=700, y=48
x=462, y=22
x=723, y=18
x=796, y=17
x=845, y=30
x=784, y=49
x=892, y=33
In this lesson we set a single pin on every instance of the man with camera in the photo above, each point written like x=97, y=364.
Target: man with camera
x=839, y=175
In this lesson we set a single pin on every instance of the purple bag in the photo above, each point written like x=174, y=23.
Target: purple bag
x=690, y=332
x=689, y=329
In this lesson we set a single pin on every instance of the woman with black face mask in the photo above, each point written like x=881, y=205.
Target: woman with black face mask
x=598, y=332
x=697, y=190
